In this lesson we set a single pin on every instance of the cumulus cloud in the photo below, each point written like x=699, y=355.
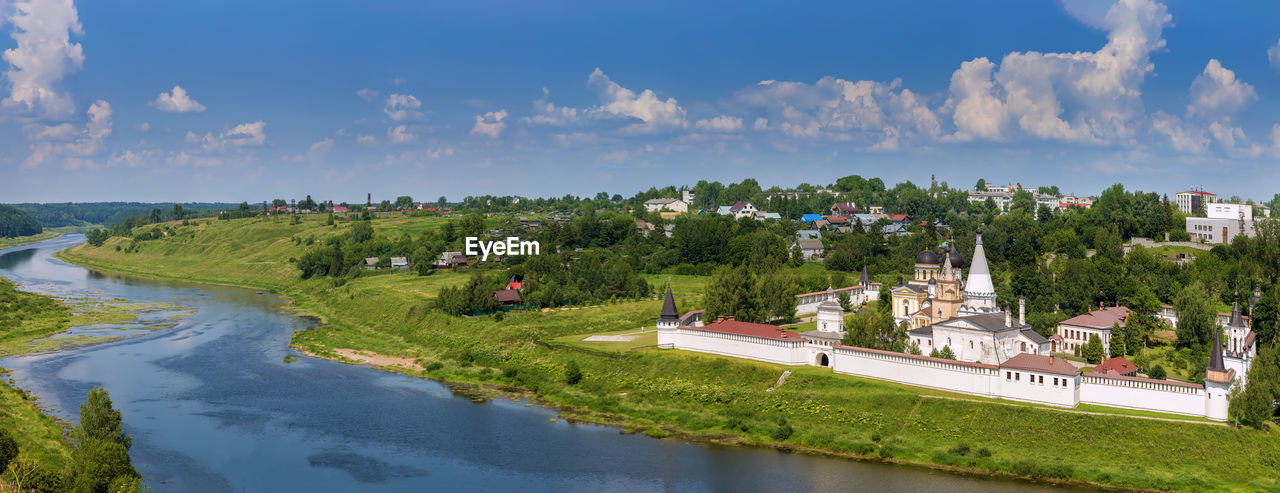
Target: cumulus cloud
x=366, y=139
x=401, y=107
x=547, y=113
x=720, y=123
x=1216, y=92
x=1073, y=97
x=1181, y=138
x=401, y=135
x=490, y=124
x=177, y=101
x=322, y=146
x=74, y=145
x=367, y=94
x=842, y=110
x=42, y=56
x=242, y=135
x=617, y=101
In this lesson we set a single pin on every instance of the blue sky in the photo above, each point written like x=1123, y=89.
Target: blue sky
x=249, y=100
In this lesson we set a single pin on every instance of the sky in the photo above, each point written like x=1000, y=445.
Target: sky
x=249, y=100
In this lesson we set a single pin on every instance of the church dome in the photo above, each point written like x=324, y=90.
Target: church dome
x=927, y=257
x=957, y=260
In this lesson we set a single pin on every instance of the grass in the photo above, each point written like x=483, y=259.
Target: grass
x=696, y=396
x=648, y=339
x=24, y=318
x=27, y=240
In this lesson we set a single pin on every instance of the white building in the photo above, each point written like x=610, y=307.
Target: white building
x=1002, y=199
x=1223, y=223
x=741, y=209
x=1191, y=200
x=1075, y=331
x=675, y=205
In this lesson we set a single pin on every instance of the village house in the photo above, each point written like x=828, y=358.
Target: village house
x=508, y=297
x=843, y=209
x=674, y=205
x=741, y=209
x=399, y=263
x=810, y=249
x=371, y=263
x=449, y=260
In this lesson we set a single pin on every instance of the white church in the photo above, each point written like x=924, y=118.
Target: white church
x=997, y=355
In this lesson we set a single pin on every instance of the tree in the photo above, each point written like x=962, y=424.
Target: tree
x=100, y=447
x=1196, y=318
x=572, y=373
x=1255, y=403
x=913, y=348
x=1157, y=372
x=1117, y=341
x=403, y=202
x=843, y=298
x=981, y=185
x=946, y=353
x=1266, y=316
x=1093, y=349
x=178, y=213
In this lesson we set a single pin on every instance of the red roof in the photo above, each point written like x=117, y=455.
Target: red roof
x=1117, y=364
x=1043, y=364
x=1198, y=192
x=1147, y=380
x=340, y=209
x=737, y=206
x=837, y=220
x=1099, y=319
x=916, y=357
x=516, y=285
x=766, y=331
x=897, y=218
x=507, y=296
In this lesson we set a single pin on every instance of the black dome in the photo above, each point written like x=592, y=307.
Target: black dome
x=957, y=260
x=927, y=257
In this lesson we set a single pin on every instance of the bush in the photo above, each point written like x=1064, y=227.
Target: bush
x=1157, y=372
x=435, y=365
x=510, y=372
x=783, y=432
x=984, y=452
x=572, y=373
x=961, y=449
x=8, y=449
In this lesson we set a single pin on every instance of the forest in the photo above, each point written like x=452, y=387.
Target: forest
x=15, y=222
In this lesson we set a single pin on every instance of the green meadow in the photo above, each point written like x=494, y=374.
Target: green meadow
x=25, y=319
x=699, y=397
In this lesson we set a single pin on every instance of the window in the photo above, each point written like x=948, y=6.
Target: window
x=1008, y=375
x=970, y=344
x=1055, y=382
x=1024, y=347
x=1041, y=379
x=1017, y=377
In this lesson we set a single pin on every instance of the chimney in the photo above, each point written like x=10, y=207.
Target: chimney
x=1008, y=319
x=1022, y=311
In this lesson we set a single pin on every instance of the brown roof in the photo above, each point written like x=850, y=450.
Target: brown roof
x=1100, y=319
x=1044, y=364
x=836, y=290
x=1117, y=364
x=917, y=357
x=507, y=296
x=837, y=220
x=766, y=331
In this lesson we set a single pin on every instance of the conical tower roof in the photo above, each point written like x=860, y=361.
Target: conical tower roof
x=1215, y=358
x=978, y=284
x=1236, y=319
x=866, y=278
x=669, y=311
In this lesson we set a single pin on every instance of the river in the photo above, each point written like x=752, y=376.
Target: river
x=213, y=407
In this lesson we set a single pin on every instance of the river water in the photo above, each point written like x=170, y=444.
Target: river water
x=213, y=407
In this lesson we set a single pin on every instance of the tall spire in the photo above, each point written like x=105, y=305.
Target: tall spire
x=669, y=312
x=979, y=292
x=1215, y=358
x=1236, y=319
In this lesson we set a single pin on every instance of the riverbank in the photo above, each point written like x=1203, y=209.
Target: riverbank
x=27, y=240
x=25, y=317
x=696, y=396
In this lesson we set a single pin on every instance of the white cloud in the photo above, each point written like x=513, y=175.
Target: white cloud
x=242, y=135
x=178, y=101
x=618, y=101
x=1273, y=55
x=184, y=159
x=401, y=107
x=1181, y=138
x=43, y=56
x=401, y=135
x=74, y=145
x=490, y=124
x=321, y=147
x=1226, y=135
x=1074, y=97
x=1216, y=92
x=722, y=123
x=760, y=124
x=547, y=113
x=144, y=127
x=366, y=139
x=367, y=94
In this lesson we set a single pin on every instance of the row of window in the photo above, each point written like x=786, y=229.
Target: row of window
x=1013, y=376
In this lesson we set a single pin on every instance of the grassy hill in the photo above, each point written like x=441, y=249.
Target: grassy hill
x=697, y=396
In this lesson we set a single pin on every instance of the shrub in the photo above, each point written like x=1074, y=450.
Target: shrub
x=783, y=432
x=510, y=372
x=435, y=365
x=8, y=449
x=1157, y=372
x=984, y=452
x=961, y=449
x=572, y=373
